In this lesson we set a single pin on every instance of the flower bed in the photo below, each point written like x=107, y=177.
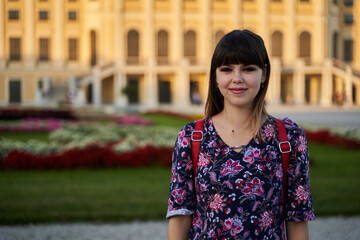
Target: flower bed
x=92, y=145
x=19, y=113
x=325, y=136
x=51, y=124
x=92, y=156
x=31, y=125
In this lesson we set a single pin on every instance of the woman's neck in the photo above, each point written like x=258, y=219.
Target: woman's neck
x=237, y=119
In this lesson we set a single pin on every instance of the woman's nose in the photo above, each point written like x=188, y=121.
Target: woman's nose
x=237, y=77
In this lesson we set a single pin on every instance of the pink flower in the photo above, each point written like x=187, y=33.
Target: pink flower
x=269, y=131
x=254, y=188
x=203, y=160
x=302, y=146
x=181, y=133
x=234, y=225
x=184, y=142
x=216, y=202
x=266, y=220
x=309, y=215
x=230, y=168
x=301, y=193
x=197, y=220
x=251, y=155
x=279, y=173
x=178, y=195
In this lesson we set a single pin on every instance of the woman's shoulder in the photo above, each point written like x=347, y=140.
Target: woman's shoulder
x=291, y=126
x=188, y=128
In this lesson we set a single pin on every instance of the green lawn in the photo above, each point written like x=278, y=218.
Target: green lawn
x=335, y=179
x=25, y=136
x=83, y=195
x=141, y=193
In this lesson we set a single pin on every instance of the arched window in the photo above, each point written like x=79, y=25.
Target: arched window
x=305, y=46
x=277, y=44
x=93, y=47
x=133, y=47
x=190, y=46
x=162, y=47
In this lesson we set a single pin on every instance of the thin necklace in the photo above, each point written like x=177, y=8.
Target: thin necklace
x=238, y=147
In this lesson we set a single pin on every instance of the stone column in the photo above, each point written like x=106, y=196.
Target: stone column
x=148, y=41
x=274, y=90
x=121, y=100
x=119, y=44
x=348, y=86
x=235, y=13
x=57, y=43
x=182, y=86
x=29, y=35
x=326, y=84
x=2, y=38
x=290, y=42
x=357, y=100
x=96, y=82
x=178, y=32
x=151, y=86
x=318, y=46
x=205, y=37
x=264, y=22
x=299, y=82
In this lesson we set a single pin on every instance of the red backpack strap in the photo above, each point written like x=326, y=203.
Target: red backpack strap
x=285, y=149
x=196, y=138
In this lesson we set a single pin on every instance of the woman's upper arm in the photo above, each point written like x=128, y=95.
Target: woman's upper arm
x=179, y=227
x=297, y=230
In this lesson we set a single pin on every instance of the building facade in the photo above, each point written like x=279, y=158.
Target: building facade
x=150, y=54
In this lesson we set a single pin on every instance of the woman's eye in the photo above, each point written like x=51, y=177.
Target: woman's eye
x=249, y=69
x=225, y=69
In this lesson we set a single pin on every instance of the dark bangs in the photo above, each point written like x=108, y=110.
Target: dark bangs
x=239, y=47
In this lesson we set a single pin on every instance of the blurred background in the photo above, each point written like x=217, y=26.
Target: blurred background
x=94, y=92
x=156, y=53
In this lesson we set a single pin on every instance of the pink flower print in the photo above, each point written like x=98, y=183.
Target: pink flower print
x=251, y=155
x=178, y=195
x=203, y=160
x=302, y=146
x=234, y=225
x=184, y=142
x=301, y=193
x=266, y=220
x=203, y=187
x=269, y=131
x=279, y=172
x=216, y=202
x=197, y=222
x=230, y=168
x=211, y=233
x=181, y=134
x=309, y=215
x=212, y=144
x=254, y=188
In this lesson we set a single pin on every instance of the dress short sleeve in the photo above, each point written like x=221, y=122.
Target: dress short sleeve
x=299, y=206
x=181, y=194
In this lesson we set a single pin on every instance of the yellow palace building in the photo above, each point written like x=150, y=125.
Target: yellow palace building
x=148, y=54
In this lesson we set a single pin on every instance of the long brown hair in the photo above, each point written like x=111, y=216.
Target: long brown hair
x=239, y=47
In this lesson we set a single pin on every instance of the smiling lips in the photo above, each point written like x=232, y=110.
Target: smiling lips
x=238, y=90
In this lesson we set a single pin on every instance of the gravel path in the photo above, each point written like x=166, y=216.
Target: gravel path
x=334, y=228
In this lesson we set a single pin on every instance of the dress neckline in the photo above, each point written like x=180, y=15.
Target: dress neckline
x=242, y=147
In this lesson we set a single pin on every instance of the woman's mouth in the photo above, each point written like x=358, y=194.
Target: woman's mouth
x=238, y=90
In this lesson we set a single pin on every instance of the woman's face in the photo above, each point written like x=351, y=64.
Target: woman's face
x=239, y=84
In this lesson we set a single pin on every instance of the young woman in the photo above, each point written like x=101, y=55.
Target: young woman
x=237, y=192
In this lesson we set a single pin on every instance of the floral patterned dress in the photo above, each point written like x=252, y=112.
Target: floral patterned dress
x=239, y=194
